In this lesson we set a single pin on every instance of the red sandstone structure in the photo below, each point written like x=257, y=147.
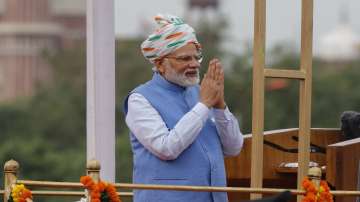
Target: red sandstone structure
x=27, y=29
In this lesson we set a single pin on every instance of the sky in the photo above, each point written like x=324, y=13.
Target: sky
x=283, y=18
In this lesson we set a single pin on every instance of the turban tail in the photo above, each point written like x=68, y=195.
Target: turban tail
x=172, y=34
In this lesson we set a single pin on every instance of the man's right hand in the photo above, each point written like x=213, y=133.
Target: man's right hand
x=210, y=88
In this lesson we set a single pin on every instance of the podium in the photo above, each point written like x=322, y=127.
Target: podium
x=343, y=167
x=280, y=147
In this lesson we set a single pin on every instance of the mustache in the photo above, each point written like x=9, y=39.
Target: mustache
x=192, y=71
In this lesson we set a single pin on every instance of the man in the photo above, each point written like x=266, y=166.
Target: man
x=180, y=131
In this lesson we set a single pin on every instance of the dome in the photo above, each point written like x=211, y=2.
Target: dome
x=340, y=44
x=203, y=3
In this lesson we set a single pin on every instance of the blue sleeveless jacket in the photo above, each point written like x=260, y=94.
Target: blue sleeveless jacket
x=201, y=164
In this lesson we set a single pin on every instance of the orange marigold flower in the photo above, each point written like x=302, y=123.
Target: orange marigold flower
x=311, y=196
x=316, y=195
x=101, y=186
x=87, y=182
x=27, y=194
x=96, y=189
x=111, y=190
x=95, y=194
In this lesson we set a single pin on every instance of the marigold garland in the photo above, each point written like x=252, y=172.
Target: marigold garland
x=19, y=193
x=315, y=195
x=101, y=191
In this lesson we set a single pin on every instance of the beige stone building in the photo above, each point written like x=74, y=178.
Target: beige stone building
x=27, y=29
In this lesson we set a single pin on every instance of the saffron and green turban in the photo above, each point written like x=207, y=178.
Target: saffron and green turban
x=172, y=34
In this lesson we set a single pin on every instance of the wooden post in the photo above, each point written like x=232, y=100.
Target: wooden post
x=10, y=171
x=305, y=90
x=258, y=97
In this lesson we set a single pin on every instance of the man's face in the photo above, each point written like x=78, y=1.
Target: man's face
x=182, y=66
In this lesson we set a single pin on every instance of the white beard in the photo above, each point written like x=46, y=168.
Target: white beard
x=181, y=78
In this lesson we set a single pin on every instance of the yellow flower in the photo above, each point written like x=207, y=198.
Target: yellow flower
x=18, y=191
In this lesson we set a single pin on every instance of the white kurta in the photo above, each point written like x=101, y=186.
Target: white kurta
x=167, y=144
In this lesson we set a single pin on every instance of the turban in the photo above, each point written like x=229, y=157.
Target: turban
x=172, y=34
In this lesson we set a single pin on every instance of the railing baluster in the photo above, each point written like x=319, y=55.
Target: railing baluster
x=10, y=175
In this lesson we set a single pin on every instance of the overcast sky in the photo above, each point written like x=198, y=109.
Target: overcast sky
x=283, y=17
